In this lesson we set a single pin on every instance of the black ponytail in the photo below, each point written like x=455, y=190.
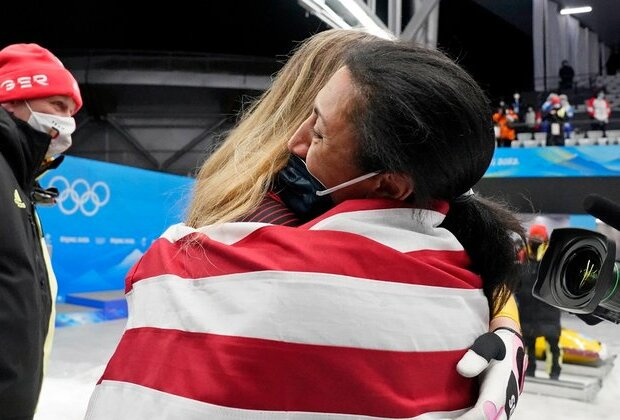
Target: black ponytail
x=485, y=228
x=418, y=113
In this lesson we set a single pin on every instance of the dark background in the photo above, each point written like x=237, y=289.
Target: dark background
x=490, y=38
x=497, y=53
x=267, y=28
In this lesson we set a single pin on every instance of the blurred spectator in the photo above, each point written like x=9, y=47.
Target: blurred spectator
x=530, y=118
x=539, y=121
x=599, y=110
x=570, y=113
x=504, y=118
x=555, y=117
x=544, y=109
x=537, y=317
x=517, y=105
x=613, y=62
x=546, y=106
x=566, y=76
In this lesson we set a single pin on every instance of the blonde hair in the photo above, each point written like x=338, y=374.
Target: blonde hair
x=235, y=178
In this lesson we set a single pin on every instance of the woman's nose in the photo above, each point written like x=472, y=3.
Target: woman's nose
x=300, y=141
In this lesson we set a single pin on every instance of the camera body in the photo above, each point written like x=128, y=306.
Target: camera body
x=578, y=274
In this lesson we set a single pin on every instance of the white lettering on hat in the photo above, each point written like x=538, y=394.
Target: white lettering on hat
x=8, y=85
x=24, y=82
x=40, y=79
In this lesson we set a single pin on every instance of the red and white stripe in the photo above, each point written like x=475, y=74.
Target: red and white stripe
x=333, y=319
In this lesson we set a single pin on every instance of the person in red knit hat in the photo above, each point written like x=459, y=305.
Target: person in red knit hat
x=38, y=98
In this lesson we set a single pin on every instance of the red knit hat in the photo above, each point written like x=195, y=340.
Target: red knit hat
x=539, y=231
x=29, y=71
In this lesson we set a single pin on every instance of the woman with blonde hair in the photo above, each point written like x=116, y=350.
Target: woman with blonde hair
x=235, y=356
x=236, y=177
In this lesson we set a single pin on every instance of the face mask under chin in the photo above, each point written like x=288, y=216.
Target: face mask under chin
x=303, y=193
x=297, y=187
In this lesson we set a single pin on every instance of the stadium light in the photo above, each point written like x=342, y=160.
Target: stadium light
x=574, y=10
x=346, y=14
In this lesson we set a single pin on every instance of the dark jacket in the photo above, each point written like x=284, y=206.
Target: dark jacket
x=555, y=121
x=566, y=77
x=25, y=301
x=537, y=317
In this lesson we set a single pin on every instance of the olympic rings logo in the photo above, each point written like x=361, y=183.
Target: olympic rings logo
x=80, y=195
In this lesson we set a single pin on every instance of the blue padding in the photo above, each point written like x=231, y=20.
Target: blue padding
x=582, y=221
x=555, y=161
x=106, y=217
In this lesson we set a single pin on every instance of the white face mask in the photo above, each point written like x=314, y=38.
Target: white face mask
x=60, y=128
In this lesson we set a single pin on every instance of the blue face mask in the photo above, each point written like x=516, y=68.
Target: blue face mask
x=303, y=193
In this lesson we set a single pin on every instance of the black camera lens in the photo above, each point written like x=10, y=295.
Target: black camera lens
x=581, y=271
x=578, y=273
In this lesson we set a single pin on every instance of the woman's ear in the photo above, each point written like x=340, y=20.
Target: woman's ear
x=397, y=186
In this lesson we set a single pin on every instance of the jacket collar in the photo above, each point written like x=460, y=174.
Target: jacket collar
x=23, y=147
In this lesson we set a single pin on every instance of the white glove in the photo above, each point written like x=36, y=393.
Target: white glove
x=500, y=360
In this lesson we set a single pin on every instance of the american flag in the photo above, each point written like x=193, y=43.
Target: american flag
x=361, y=313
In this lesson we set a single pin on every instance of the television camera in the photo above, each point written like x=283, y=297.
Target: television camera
x=579, y=272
